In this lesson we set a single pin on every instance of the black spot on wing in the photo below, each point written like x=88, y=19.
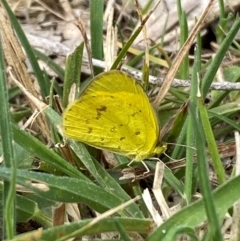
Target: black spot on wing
x=102, y=108
x=136, y=112
x=89, y=130
x=99, y=110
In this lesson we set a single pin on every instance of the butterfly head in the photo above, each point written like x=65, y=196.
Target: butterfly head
x=160, y=149
x=156, y=151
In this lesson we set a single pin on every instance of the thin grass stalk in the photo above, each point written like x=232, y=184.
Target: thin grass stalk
x=9, y=219
x=96, y=28
x=217, y=60
x=190, y=132
x=184, y=67
x=203, y=177
x=212, y=146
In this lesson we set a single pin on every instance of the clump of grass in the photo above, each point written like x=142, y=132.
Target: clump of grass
x=72, y=176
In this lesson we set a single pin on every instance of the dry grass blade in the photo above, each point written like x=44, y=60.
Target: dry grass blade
x=235, y=230
x=16, y=59
x=178, y=59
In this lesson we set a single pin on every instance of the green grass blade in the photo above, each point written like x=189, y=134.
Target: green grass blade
x=129, y=43
x=28, y=209
x=72, y=73
x=181, y=230
x=66, y=189
x=184, y=67
x=53, y=65
x=38, y=149
x=96, y=28
x=224, y=47
x=232, y=123
x=8, y=155
x=203, y=177
x=212, y=146
x=105, y=225
x=102, y=177
x=194, y=214
x=191, y=137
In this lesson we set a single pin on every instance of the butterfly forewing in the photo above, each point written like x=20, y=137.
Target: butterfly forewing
x=113, y=113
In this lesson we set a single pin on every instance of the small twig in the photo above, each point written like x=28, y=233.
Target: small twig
x=45, y=6
x=224, y=85
x=79, y=23
x=39, y=104
x=63, y=50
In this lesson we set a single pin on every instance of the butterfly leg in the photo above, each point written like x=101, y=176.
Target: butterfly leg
x=129, y=164
x=147, y=169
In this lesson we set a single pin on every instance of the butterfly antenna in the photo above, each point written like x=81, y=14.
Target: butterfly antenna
x=159, y=160
x=175, y=144
x=172, y=159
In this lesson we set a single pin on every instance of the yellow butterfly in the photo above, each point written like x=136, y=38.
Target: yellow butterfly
x=114, y=113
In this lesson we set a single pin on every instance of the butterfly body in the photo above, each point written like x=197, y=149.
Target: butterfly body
x=113, y=113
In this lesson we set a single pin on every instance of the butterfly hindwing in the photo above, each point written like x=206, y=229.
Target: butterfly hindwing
x=113, y=113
